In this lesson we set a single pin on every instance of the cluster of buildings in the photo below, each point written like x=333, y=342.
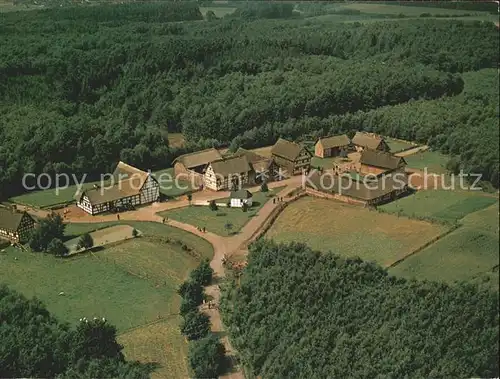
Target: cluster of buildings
x=378, y=176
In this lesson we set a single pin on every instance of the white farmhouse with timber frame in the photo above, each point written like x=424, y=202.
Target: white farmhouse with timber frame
x=15, y=226
x=130, y=187
x=225, y=173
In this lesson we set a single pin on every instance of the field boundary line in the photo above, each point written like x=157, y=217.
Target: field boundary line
x=134, y=328
x=425, y=245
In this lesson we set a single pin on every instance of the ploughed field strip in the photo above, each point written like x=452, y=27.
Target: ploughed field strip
x=350, y=230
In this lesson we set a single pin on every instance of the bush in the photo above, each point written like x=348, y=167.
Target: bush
x=86, y=242
x=207, y=357
x=203, y=273
x=195, y=325
x=187, y=306
x=135, y=233
x=264, y=187
x=57, y=247
x=213, y=205
x=191, y=291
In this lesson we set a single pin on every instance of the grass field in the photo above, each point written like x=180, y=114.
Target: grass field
x=389, y=9
x=131, y=284
x=350, y=230
x=104, y=236
x=469, y=253
x=219, y=11
x=397, y=146
x=214, y=221
x=53, y=197
x=434, y=162
x=440, y=205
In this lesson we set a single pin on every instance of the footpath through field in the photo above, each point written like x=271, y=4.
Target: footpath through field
x=236, y=243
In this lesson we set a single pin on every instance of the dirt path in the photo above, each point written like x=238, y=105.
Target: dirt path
x=221, y=245
x=412, y=151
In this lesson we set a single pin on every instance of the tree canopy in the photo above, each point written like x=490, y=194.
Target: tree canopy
x=299, y=313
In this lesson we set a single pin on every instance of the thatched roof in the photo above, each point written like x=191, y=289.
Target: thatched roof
x=380, y=159
x=287, y=149
x=367, y=141
x=334, y=141
x=241, y=194
x=230, y=166
x=10, y=219
x=199, y=158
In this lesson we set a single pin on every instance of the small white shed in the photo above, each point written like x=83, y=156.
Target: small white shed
x=238, y=198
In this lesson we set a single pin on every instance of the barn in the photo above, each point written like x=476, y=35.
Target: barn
x=240, y=197
x=130, y=187
x=379, y=162
x=367, y=141
x=15, y=226
x=291, y=157
x=355, y=189
x=332, y=146
x=228, y=172
x=192, y=166
x=265, y=169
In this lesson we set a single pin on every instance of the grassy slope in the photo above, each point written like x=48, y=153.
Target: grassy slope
x=129, y=283
x=434, y=162
x=351, y=230
x=214, y=221
x=464, y=254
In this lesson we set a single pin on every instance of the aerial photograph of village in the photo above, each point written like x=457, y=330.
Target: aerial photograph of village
x=249, y=189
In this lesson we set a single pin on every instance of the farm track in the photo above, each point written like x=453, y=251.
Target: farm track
x=235, y=244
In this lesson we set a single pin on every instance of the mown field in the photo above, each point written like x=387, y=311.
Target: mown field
x=397, y=145
x=470, y=252
x=215, y=221
x=351, y=231
x=52, y=197
x=434, y=162
x=440, y=205
x=132, y=284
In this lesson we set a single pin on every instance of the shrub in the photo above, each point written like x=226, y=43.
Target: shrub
x=203, y=273
x=207, y=357
x=195, y=325
x=86, y=242
x=57, y=247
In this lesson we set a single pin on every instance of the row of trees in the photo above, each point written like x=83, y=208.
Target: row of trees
x=206, y=353
x=299, y=313
x=36, y=344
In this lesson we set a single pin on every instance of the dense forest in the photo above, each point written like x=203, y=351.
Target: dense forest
x=347, y=318
x=36, y=345
x=81, y=88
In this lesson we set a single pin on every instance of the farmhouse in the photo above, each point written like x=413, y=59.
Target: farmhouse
x=15, y=226
x=265, y=169
x=238, y=198
x=130, y=187
x=332, y=146
x=355, y=189
x=291, y=157
x=228, y=172
x=365, y=141
x=379, y=162
x=192, y=166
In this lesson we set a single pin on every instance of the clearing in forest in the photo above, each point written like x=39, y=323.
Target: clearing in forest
x=468, y=253
x=132, y=284
x=350, y=230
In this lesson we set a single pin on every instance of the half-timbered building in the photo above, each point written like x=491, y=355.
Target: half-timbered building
x=192, y=166
x=130, y=187
x=291, y=157
x=379, y=162
x=366, y=141
x=228, y=173
x=265, y=169
x=15, y=226
x=332, y=146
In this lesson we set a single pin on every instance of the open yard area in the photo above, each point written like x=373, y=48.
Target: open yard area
x=434, y=162
x=440, y=205
x=350, y=230
x=168, y=184
x=104, y=236
x=215, y=221
x=397, y=145
x=470, y=252
x=132, y=284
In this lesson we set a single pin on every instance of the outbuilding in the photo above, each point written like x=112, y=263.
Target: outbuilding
x=238, y=198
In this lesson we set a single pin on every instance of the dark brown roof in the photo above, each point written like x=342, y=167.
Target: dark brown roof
x=130, y=185
x=232, y=165
x=199, y=158
x=366, y=140
x=334, y=141
x=258, y=162
x=286, y=149
x=362, y=190
x=380, y=159
x=10, y=219
x=241, y=194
